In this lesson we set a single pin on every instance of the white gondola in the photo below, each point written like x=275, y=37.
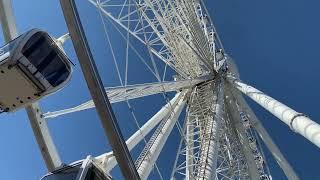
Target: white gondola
x=31, y=66
x=83, y=170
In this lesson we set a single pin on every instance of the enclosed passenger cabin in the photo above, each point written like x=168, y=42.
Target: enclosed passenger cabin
x=31, y=66
x=85, y=170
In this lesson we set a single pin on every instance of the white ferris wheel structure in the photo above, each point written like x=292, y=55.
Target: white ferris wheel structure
x=220, y=137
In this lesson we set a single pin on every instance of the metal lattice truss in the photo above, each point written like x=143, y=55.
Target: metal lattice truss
x=119, y=94
x=176, y=32
x=199, y=112
x=210, y=147
x=219, y=137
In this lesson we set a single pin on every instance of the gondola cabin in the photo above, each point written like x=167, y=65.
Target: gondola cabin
x=84, y=170
x=31, y=66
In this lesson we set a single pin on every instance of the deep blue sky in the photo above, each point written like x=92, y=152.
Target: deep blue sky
x=274, y=43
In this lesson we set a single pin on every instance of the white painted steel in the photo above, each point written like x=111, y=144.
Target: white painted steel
x=42, y=133
x=241, y=132
x=264, y=135
x=189, y=148
x=214, y=144
x=174, y=31
x=7, y=20
x=152, y=150
x=119, y=94
x=109, y=162
x=210, y=146
x=296, y=121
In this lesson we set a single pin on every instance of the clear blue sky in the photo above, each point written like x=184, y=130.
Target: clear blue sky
x=274, y=43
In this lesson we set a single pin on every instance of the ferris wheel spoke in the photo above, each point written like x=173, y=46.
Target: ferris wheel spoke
x=111, y=47
x=159, y=25
x=110, y=162
x=136, y=30
x=152, y=150
x=118, y=94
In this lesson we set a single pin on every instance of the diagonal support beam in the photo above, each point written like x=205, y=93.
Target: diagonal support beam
x=152, y=150
x=235, y=118
x=45, y=142
x=99, y=96
x=108, y=160
x=298, y=122
x=273, y=148
x=118, y=94
x=7, y=20
x=210, y=145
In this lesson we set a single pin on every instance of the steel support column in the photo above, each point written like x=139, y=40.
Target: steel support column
x=119, y=94
x=189, y=146
x=45, y=142
x=235, y=118
x=138, y=136
x=154, y=146
x=97, y=91
x=264, y=135
x=298, y=122
x=210, y=142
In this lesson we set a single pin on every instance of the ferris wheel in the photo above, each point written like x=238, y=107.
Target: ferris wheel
x=199, y=89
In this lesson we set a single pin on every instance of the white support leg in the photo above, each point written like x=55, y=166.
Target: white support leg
x=210, y=154
x=7, y=20
x=264, y=135
x=110, y=162
x=45, y=142
x=235, y=118
x=298, y=122
x=147, y=159
x=189, y=147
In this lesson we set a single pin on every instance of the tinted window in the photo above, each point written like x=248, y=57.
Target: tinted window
x=47, y=58
x=95, y=174
x=7, y=47
x=66, y=174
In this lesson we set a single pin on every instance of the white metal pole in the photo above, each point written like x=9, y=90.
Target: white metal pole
x=189, y=146
x=8, y=21
x=97, y=91
x=210, y=153
x=273, y=148
x=298, y=122
x=119, y=94
x=138, y=136
x=38, y=124
x=235, y=118
x=153, y=153
x=42, y=133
